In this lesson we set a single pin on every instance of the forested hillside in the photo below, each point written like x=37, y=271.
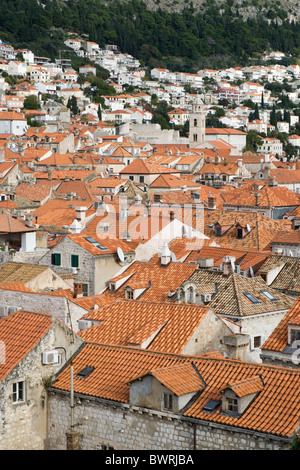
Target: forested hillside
x=159, y=38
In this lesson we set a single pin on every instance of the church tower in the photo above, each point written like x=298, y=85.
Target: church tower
x=197, y=124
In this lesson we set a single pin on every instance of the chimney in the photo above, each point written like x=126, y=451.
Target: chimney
x=49, y=175
x=237, y=346
x=212, y=204
x=29, y=220
x=205, y=263
x=165, y=255
x=2, y=154
x=157, y=198
x=78, y=290
x=228, y=265
x=70, y=196
x=257, y=196
x=80, y=213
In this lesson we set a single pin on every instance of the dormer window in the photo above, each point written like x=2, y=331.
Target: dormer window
x=112, y=287
x=294, y=335
x=239, y=232
x=167, y=402
x=129, y=294
x=231, y=405
x=239, y=395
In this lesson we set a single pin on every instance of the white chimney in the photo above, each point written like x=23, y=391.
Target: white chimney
x=165, y=255
x=80, y=213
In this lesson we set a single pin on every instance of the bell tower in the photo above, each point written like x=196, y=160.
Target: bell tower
x=197, y=123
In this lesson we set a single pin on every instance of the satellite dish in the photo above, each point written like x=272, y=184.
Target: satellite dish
x=251, y=271
x=173, y=256
x=120, y=254
x=248, y=227
x=232, y=264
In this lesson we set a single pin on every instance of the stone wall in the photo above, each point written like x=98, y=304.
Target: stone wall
x=57, y=306
x=24, y=426
x=131, y=428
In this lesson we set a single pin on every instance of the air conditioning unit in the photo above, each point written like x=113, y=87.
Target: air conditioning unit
x=84, y=324
x=50, y=357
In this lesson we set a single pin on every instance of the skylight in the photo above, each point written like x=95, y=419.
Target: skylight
x=211, y=406
x=95, y=243
x=251, y=298
x=85, y=372
x=269, y=295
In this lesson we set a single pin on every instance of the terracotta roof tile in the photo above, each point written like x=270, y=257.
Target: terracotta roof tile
x=181, y=379
x=20, y=332
x=129, y=322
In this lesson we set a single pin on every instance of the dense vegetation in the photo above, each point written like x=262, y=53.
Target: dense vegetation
x=158, y=38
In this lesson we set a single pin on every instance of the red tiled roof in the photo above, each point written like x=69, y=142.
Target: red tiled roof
x=20, y=332
x=275, y=410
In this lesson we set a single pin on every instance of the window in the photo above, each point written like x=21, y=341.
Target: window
x=295, y=335
x=239, y=233
x=167, y=402
x=129, y=294
x=131, y=177
x=56, y=259
x=269, y=295
x=195, y=122
x=251, y=298
x=231, y=405
x=19, y=392
x=257, y=341
x=142, y=179
x=85, y=290
x=218, y=232
x=74, y=261
x=195, y=137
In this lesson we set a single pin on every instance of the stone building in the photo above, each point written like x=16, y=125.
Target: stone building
x=33, y=347
x=93, y=259
x=130, y=399
x=282, y=346
x=249, y=302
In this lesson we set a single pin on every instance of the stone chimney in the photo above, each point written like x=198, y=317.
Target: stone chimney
x=2, y=154
x=78, y=290
x=257, y=196
x=80, y=213
x=228, y=262
x=49, y=175
x=29, y=220
x=237, y=346
x=205, y=262
x=212, y=203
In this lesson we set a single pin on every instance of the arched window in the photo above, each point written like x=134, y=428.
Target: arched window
x=190, y=294
x=195, y=122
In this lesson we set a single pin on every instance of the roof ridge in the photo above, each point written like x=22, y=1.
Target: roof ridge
x=251, y=365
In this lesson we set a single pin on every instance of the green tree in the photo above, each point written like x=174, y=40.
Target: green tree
x=73, y=106
x=32, y=102
x=253, y=140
